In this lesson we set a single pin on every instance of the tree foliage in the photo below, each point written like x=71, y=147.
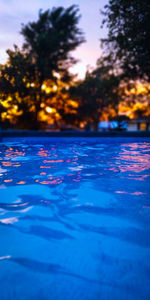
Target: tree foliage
x=99, y=90
x=50, y=40
x=44, y=57
x=128, y=43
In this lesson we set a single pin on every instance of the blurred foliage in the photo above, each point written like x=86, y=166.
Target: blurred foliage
x=127, y=45
x=98, y=91
x=43, y=60
x=37, y=90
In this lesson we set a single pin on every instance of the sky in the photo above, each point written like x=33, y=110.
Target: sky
x=15, y=12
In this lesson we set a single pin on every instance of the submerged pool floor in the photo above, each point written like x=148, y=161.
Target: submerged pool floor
x=75, y=219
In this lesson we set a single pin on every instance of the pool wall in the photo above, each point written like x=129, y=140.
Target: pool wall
x=31, y=133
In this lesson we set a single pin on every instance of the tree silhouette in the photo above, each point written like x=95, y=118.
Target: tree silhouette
x=97, y=91
x=45, y=54
x=128, y=43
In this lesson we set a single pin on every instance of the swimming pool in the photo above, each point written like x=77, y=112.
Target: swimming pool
x=75, y=218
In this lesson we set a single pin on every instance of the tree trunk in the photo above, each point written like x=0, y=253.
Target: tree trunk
x=38, y=99
x=95, y=125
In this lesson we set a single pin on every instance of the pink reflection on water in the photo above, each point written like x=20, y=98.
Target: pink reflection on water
x=137, y=177
x=134, y=193
x=5, y=257
x=7, y=163
x=9, y=220
x=51, y=181
x=53, y=161
x=138, y=193
x=19, y=204
x=46, y=167
x=43, y=153
x=11, y=153
x=120, y=192
x=133, y=158
x=10, y=164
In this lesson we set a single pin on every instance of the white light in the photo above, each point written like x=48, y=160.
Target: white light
x=43, y=86
x=48, y=109
x=57, y=75
x=55, y=88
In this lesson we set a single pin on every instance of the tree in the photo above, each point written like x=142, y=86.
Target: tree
x=134, y=98
x=128, y=43
x=45, y=55
x=90, y=99
x=98, y=91
x=16, y=91
x=49, y=42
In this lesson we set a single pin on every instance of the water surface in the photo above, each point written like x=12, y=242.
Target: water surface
x=75, y=219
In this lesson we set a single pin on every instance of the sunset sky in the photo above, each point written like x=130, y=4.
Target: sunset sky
x=15, y=12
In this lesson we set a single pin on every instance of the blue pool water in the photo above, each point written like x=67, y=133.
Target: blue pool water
x=75, y=219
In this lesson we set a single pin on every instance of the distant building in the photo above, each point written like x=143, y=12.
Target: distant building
x=140, y=124
x=112, y=125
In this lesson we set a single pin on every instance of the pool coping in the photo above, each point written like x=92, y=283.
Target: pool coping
x=33, y=133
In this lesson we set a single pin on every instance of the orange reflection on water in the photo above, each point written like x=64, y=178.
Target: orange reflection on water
x=45, y=167
x=53, y=161
x=14, y=152
x=21, y=182
x=8, y=180
x=10, y=164
x=7, y=163
x=54, y=181
x=44, y=182
x=42, y=152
